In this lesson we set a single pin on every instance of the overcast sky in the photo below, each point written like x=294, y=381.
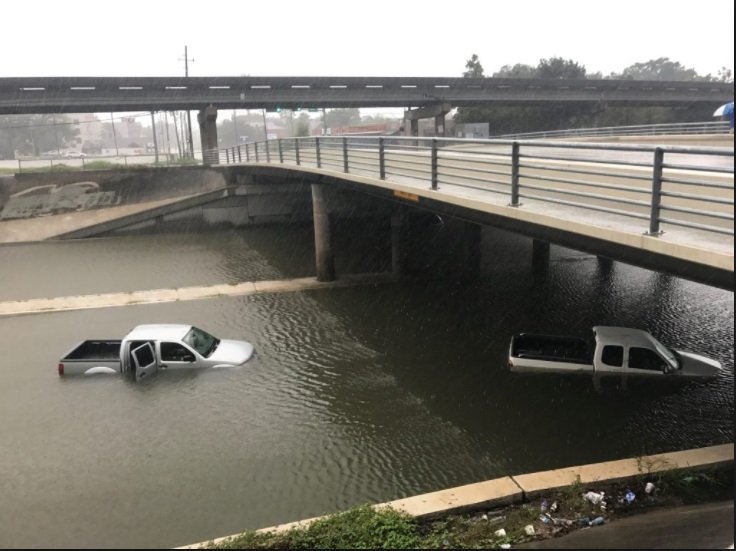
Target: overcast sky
x=352, y=38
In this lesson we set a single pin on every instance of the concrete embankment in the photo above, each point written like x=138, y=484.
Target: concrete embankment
x=517, y=489
x=153, y=296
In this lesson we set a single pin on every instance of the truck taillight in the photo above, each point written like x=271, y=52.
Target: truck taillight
x=61, y=369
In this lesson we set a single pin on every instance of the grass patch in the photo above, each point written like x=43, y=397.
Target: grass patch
x=553, y=514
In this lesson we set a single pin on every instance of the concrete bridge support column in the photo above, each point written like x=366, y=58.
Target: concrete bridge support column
x=540, y=256
x=398, y=243
x=414, y=127
x=207, y=119
x=439, y=125
x=322, y=239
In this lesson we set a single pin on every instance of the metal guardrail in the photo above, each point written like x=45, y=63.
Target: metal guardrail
x=690, y=187
x=709, y=127
x=99, y=162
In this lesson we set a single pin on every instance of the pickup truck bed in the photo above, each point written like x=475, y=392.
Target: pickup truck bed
x=552, y=348
x=97, y=355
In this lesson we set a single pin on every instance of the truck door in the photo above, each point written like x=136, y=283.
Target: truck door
x=145, y=361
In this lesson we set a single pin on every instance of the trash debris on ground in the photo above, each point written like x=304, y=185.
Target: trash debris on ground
x=505, y=546
x=630, y=496
x=596, y=521
x=649, y=488
x=594, y=497
x=529, y=530
x=500, y=533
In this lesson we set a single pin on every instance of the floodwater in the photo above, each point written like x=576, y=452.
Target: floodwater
x=354, y=395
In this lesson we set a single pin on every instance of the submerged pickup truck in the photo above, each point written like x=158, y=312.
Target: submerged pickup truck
x=614, y=351
x=148, y=348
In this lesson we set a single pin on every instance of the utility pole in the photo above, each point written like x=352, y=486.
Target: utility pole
x=235, y=128
x=155, y=139
x=189, y=114
x=265, y=128
x=114, y=136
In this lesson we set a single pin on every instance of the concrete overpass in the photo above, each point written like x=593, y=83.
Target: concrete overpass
x=665, y=208
x=104, y=94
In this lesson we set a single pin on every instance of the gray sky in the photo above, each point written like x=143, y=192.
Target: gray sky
x=351, y=38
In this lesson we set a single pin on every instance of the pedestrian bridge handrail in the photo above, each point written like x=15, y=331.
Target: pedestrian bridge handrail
x=708, y=127
x=690, y=187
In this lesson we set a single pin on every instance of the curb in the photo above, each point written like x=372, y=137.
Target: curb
x=509, y=490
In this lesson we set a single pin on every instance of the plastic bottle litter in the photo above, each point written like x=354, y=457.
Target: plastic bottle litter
x=544, y=506
x=529, y=530
x=544, y=518
x=596, y=521
x=553, y=507
x=594, y=497
x=585, y=521
x=649, y=488
x=505, y=546
x=500, y=533
x=630, y=496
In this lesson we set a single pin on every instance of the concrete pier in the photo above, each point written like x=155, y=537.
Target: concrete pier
x=322, y=238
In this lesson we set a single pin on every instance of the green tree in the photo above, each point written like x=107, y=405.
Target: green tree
x=659, y=69
x=302, y=125
x=557, y=67
x=337, y=118
x=520, y=70
x=35, y=134
x=473, y=68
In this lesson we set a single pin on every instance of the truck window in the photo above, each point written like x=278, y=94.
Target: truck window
x=643, y=358
x=613, y=355
x=201, y=341
x=144, y=355
x=174, y=352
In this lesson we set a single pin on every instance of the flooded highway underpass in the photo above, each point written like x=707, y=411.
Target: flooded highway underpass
x=354, y=395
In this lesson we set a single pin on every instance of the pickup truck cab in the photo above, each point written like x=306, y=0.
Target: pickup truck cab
x=620, y=351
x=149, y=348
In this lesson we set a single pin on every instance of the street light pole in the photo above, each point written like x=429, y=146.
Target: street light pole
x=189, y=113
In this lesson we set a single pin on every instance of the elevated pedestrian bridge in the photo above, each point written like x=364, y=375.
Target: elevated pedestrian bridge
x=667, y=208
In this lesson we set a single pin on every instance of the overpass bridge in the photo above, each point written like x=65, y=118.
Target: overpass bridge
x=668, y=208
x=664, y=208
x=21, y=95
x=421, y=97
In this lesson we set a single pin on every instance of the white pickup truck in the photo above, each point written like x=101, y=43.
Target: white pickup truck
x=614, y=351
x=148, y=348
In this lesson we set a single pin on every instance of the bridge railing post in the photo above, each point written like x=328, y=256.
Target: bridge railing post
x=382, y=158
x=514, y=175
x=345, y=154
x=247, y=153
x=281, y=152
x=240, y=155
x=227, y=156
x=435, y=177
x=656, y=192
x=268, y=151
x=296, y=152
x=316, y=148
x=255, y=149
